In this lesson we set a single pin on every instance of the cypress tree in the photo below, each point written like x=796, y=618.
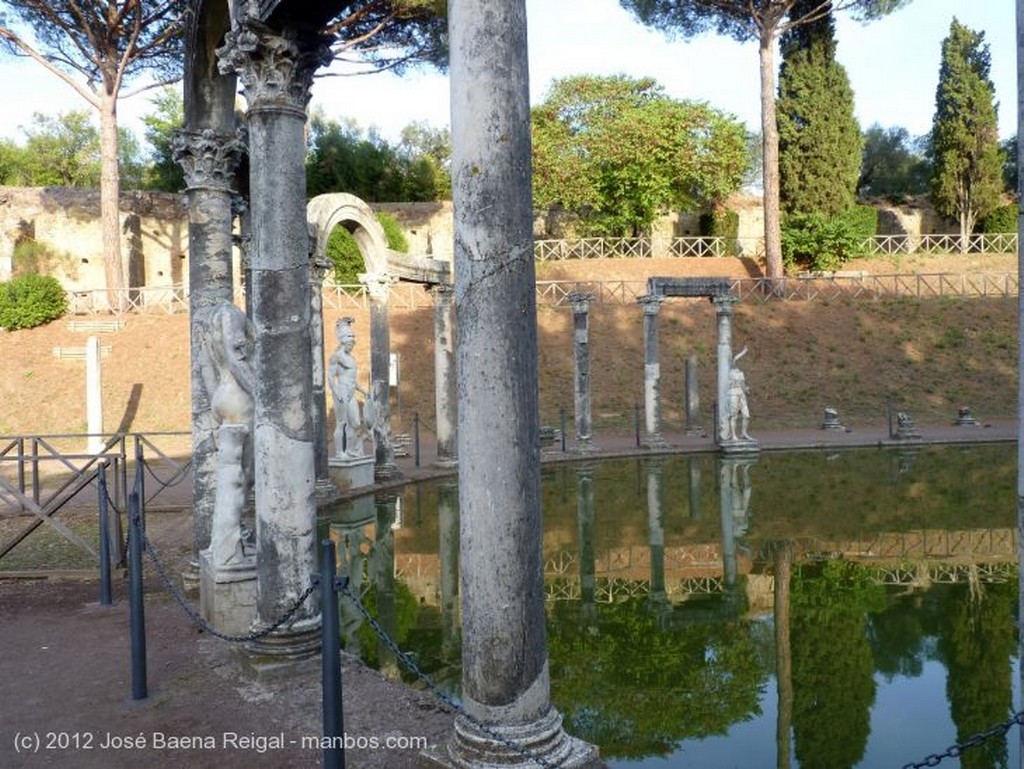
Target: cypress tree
x=967, y=161
x=820, y=142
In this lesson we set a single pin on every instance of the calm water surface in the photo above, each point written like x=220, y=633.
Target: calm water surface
x=801, y=609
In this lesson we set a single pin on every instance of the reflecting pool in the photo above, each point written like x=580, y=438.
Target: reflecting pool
x=853, y=608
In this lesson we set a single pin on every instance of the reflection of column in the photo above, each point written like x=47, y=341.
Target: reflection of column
x=349, y=539
x=652, y=373
x=723, y=308
x=379, y=288
x=445, y=381
x=505, y=676
x=734, y=477
x=585, y=527
x=783, y=654
x=277, y=72
x=209, y=160
x=383, y=561
x=318, y=267
x=656, y=531
x=581, y=366
x=448, y=553
x=693, y=466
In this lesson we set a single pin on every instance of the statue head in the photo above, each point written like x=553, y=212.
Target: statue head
x=344, y=334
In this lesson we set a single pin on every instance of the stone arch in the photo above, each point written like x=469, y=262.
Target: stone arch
x=325, y=212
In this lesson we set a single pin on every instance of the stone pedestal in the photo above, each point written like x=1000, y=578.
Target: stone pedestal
x=350, y=473
x=739, y=446
x=227, y=596
x=831, y=420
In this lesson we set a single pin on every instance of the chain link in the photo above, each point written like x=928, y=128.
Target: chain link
x=974, y=741
x=198, y=620
x=447, y=699
x=179, y=476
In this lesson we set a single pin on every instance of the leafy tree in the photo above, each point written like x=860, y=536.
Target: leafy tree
x=893, y=165
x=616, y=150
x=1010, y=175
x=763, y=21
x=98, y=48
x=427, y=152
x=163, y=173
x=965, y=152
x=819, y=138
x=62, y=151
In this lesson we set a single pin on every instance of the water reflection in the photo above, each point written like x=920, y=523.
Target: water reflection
x=846, y=609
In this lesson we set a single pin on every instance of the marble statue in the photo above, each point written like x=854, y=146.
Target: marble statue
x=738, y=413
x=226, y=368
x=352, y=424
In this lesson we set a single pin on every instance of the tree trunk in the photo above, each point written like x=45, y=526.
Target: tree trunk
x=110, y=195
x=770, y=148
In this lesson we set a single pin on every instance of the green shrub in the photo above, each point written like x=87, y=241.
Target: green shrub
x=863, y=220
x=817, y=242
x=31, y=300
x=1001, y=220
x=722, y=223
x=344, y=253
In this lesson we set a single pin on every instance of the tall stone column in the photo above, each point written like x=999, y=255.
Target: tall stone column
x=209, y=160
x=581, y=371
x=378, y=286
x=505, y=677
x=723, y=310
x=445, y=381
x=652, y=374
x=693, y=426
x=318, y=267
x=277, y=71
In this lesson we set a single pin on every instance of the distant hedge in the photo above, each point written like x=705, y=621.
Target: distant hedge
x=31, y=300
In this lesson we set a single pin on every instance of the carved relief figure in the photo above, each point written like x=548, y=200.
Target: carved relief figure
x=226, y=367
x=351, y=427
x=738, y=411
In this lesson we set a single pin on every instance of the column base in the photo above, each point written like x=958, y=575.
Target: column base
x=446, y=464
x=584, y=446
x=654, y=442
x=227, y=595
x=387, y=472
x=297, y=641
x=190, y=577
x=350, y=472
x=324, y=489
x=542, y=740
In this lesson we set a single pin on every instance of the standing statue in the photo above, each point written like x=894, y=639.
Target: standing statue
x=738, y=414
x=351, y=427
x=226, y=369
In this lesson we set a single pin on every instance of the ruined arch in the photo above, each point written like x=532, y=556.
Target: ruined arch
x=325, y=212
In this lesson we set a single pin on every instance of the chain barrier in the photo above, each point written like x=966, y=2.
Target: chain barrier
x=974, y=741
x=181, y=475
x=447, y=699
x=197, y=619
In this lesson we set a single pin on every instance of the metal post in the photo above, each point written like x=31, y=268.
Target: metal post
x=416, y=436
x=137, y=607
x=636, y=422
x=35, y=470
x=105, y=592
x=561, y=419
x=21, y=465
x=334, y=752
x=140, y=480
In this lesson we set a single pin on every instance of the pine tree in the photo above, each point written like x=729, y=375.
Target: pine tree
x=967, y=161
x=820, y=143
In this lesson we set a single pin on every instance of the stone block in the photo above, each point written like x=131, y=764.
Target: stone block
x=227, y=597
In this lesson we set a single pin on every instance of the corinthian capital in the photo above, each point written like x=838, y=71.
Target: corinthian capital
x=209, y=159
x=276, y=69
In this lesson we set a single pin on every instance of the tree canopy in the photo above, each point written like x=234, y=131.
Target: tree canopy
x=966, y=158
x=763, y=21
x=819, y=138
x=893, y=164
x=616, y=150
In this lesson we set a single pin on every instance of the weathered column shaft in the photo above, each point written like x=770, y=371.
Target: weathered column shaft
x=581, y=368
x=693, y=425
x=652, y=373
x=723, y=309
x=277, y=72
x=318, y=270
x=379, y=287
x=93, y=395
x=209, y=160
x=505, y=678
x=445, y=382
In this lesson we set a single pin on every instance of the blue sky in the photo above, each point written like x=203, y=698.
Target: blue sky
x=893, y=66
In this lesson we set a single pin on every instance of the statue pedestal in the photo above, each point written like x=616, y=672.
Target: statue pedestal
x=739, y=446
x=350, y=473
x=227, y=596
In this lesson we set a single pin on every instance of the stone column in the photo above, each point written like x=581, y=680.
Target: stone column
x=505, y=677
x=277, y=71
x=581, y=370
x=209, y=160
x=693, y=426
x=652, y=374
x=318, y=267
x=723, y=309
x=93, y=396
x=656, y=532
x=445, y=381
x=378, y=287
